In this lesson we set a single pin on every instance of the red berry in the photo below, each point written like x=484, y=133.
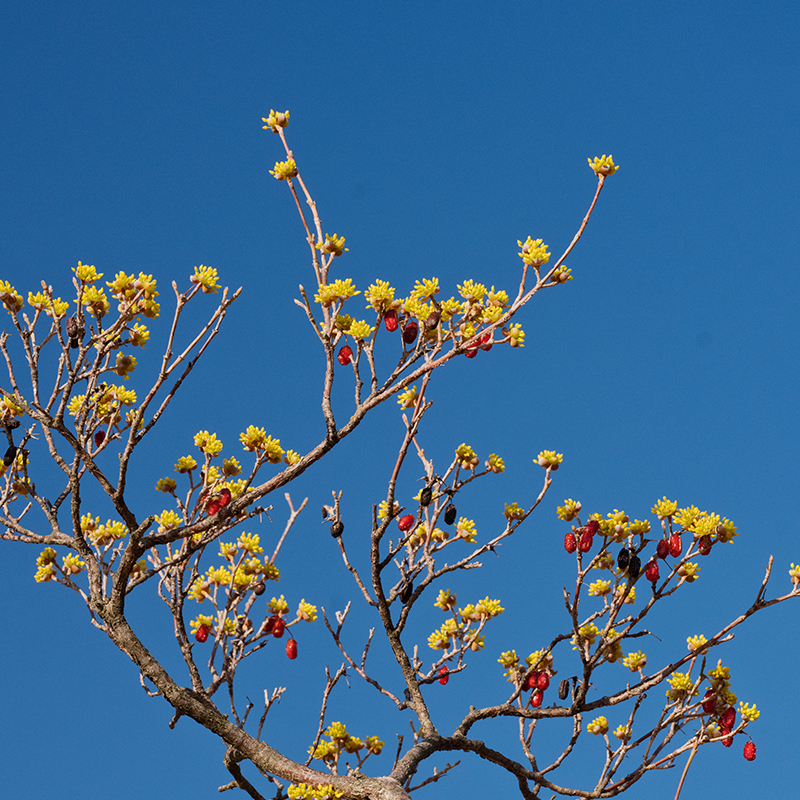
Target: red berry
x=406, y=523
x=728, y=717
x=269, y=624
x=544, y=680
x=99, y=438
x=390, y=321
x=444, y=675
x=471, y=352
x=213, y=507
x=278, y=627
x=675, y=545
x=345, y=354
x=533, y=681
x=224, y=497
x=750, y=751
x=709, y=702
x=728, y=740
x=662, y=548
x=202, y=633
x=651, y=571
x=591, y=527
x=704, y=545
x=410, y=333
x=291, y=649
x=536, y=698
x=570, y=543
x=585, y=543
x=486, y=342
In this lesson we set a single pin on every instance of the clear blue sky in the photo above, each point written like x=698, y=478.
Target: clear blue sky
x=433, y=136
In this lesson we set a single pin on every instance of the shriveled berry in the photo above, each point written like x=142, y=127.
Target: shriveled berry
x=269, y=625
x=570, y=543
x=634, y=567
x=337, y=529
x=624, y=557
x=591, y=527
x=728, y=740
x=750, y=751
x=212, y=507
x=224, y=497
x=291, y=649
x=202, y=633
x=406, y=523
x=444, y=675
x=99, y=438
x=651, y=571
x=563, y=689
x=406, y=592
x=536, y=698
x=259, y=589
x=425, y=496
x=278, y=627
x=675, y=545
x=11, y=454
x=450, y=514
x=410, y=333
x=432, y=321
x=662, y=548
x=704, y=545
x=586, y=541
x=709, y=702
x=544, y=680
x=390, y=320
x=486, y=342
x=345, y=355
x=728, y=717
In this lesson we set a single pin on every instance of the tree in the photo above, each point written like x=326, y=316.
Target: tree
x=74, y=413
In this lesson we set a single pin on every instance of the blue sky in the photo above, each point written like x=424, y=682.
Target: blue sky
x=433, y=136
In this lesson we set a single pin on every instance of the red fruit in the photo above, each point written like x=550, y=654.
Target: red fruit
x=585, y=543
x=410, y=333
x=675, y=545
x=268, y=626
x=406, y=523
x=662, y=548
x=728, y=740
x=544, y=680
x=202, y=633
x=570, y=543
x=709, y=702
x=704, y=545
x=750, y=751
x=471, y=352
x=345, y=354
x=390, y=321
x=99, y=438
x=213, y=507
x=728, y=718
x=444, y=675
x=278, y=627
x=533, y=681
x=651, y=571
x=591, y=527
x=291, y=649
x=483, y=342
x=536, y=698
x=224, y=497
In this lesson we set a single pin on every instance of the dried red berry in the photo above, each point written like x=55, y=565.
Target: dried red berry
x=213, y=507
x=99, y=438
x=750, y=751
x=450, y=514
x=728, y=740
x=345, y=354
x=410, y=333
x=487, y=337
x=444, y=675
x=662, y=548
x=704, y=545
x=536, y=698
x=390, y=320
x=544, y=680
x=471, y=352
x=269, y=625
x=278, y=627
x=651, y=571
x=202, y=633
x=406, y=523
x=585, y=543
x=591, y=527
x=709, y=702
x=291, y=649
x=728, y=718
x=570, y=543
x=224, y=497
x=675, y=545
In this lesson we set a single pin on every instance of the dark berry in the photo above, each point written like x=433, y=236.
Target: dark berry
x=651, y=571
x=406, y=523
x=406, y=592
x=675, y=545
x=450, y=514
x=662, y=548
x=390, y=321
x=444, y=675
x=432, y=321
x=345, y=354
x=704, y=545
x=634, y=567
x=291, y=649
x=99, y=438
x=278, y=627
x=410, y=333
x=11, y=454
x=259, y=589
x=750, y=751
x=337, y=529
x=624, y=557
x=563, y=689
x=570, y=543
x=202, y=633
x=425, y=496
